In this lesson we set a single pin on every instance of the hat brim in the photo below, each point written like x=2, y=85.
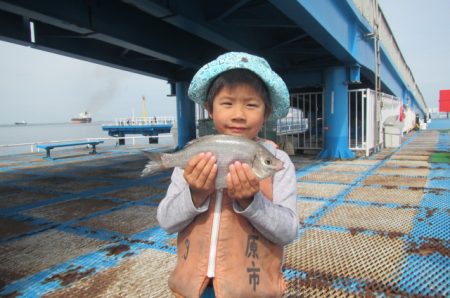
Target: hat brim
x=279, y=94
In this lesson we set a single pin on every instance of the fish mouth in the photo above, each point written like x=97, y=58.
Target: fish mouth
x=279, y=166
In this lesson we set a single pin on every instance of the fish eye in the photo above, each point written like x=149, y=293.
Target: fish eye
x=268, y=161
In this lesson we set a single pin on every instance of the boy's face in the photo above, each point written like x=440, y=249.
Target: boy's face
x=238, y=111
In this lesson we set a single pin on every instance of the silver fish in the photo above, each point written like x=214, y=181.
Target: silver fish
x=227, y=149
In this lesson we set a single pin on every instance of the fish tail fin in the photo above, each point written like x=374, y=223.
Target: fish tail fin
x=154, y=156
x=154, y=165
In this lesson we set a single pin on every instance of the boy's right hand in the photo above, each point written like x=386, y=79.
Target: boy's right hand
x=200, y=173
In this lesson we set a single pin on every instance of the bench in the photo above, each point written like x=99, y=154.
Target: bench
x=49, y=147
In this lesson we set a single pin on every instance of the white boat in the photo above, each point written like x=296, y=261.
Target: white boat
x=82, y=118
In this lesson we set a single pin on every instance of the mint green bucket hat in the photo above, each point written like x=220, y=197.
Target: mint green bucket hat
x=279, y=93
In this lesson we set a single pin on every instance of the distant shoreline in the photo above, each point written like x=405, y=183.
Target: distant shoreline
x=56, y=123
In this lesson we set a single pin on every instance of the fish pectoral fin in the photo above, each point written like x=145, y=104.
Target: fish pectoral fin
x=255, y=168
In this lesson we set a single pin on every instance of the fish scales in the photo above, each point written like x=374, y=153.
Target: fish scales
x=226, y=149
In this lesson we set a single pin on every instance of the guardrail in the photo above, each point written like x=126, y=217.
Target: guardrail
x=113, y=141
x=144, y=121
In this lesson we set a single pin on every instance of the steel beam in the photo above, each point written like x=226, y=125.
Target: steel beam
x=117, y=24
x=338, y=26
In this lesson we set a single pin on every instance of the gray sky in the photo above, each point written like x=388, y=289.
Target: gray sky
x=422, y=31
x=41, y=87
x=37, y=86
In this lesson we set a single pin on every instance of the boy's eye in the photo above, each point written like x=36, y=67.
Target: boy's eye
x=252, y=105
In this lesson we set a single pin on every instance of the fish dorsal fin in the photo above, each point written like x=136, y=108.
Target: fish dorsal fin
x=191, y=142
x=194, y=141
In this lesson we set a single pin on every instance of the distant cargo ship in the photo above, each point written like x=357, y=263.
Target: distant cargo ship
x=20, y=123
x=82, y=118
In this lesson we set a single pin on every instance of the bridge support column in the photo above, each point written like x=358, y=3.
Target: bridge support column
x=185, y=115
x=336, y=115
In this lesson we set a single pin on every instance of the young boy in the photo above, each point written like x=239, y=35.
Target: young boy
x=256, y=218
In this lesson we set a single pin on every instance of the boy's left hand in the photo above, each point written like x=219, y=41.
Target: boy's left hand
x=242, y=184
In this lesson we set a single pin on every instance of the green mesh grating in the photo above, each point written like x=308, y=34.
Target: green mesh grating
x=440, y=157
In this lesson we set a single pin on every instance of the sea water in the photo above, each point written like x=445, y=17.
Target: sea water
x=30, y=134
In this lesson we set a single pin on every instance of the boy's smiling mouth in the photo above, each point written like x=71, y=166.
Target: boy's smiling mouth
x=236, y=129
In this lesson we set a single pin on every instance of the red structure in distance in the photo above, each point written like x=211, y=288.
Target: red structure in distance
x=444, y=101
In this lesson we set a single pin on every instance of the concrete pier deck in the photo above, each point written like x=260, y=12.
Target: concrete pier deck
x=85, y=226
